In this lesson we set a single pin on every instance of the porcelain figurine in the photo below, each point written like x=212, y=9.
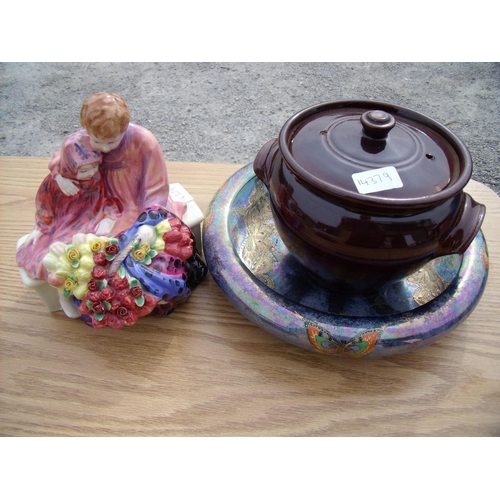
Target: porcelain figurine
x=108, y=236
x=58, y=216
x=132, y=160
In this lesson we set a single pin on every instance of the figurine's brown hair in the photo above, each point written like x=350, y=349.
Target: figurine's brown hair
x=105, y=115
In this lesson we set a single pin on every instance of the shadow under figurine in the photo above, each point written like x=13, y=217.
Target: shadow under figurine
x=110, y=178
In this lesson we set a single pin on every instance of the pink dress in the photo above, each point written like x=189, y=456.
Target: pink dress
x=58, y=217
x=136, y=174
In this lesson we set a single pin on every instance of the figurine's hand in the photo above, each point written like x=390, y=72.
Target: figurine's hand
x=32, y=237
x=104, y=227
x=68, y=186
x=147, y=234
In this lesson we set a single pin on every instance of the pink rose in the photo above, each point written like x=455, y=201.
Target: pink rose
x=55, y=281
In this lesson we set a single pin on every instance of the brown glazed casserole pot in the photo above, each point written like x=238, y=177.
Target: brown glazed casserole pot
x=364, y=193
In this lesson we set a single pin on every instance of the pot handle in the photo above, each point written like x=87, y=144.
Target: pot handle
x=262, y=165
x=465, y=231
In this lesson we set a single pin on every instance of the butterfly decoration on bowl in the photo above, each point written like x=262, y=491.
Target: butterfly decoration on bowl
x=356, y=347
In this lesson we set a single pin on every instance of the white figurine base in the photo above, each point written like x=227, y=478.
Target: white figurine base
x=193, y=217
x=47, y=293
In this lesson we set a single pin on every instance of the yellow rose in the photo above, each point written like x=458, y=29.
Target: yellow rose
x=69, y=284
x=139, y=254
x=73, y=254
x=145, y=248
x=97, y=246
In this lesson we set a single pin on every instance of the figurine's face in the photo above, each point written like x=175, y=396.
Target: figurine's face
x=86, y=172
x=105, y=145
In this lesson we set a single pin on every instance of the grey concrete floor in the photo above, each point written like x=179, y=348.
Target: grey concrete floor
x=225, y=112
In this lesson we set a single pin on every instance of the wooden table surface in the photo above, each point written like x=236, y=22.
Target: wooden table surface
x=207, y=371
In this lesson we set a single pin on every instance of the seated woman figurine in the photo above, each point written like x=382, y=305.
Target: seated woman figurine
x=150, y=268
x=58, y=217
x=132, y=160
x=114, y=180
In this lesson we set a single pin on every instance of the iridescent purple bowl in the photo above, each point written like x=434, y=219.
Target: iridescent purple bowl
x=249, y=262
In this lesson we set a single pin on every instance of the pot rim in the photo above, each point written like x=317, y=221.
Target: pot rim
x=458, y=145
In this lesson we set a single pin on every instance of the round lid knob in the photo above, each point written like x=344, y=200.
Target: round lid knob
x=377, y=124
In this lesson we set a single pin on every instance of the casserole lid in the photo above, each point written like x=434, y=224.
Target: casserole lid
x=375, y=153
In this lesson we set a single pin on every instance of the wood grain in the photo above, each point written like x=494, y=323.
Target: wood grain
x=207, y=371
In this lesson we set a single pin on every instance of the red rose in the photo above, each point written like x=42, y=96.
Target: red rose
x=106, y=294
x=172, y=236
x=114, y=321
x=136, y=291
x=100, y=259
x=172, y=248
x=120, y=294
x=182, y=252
x=119, y=283
x=128, y=301
x=186, y=252
x=93, y=296
x=100, y=324
x=185, y=239
x=129, y=318
x=115, y=304
x=98, y=308
x=175, y=222
x=93, y=285
x=149, y=304
x=83, y=307
x=99, y=273
x=112, y=249
x=122, y=312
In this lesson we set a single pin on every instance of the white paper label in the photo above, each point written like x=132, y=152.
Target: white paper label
x=178, y=193
x=380, y=179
